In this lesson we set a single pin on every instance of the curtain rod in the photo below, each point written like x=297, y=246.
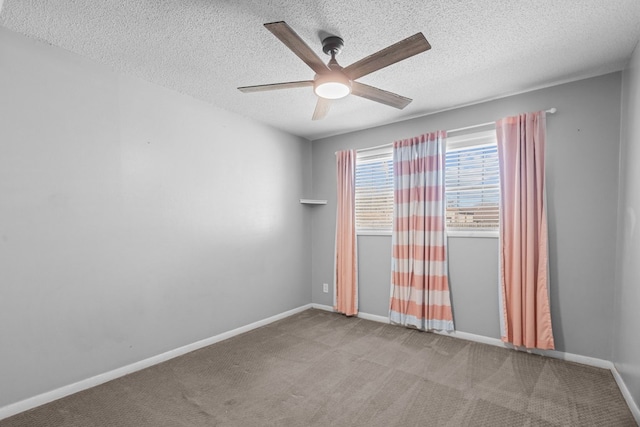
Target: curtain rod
x=549, y=111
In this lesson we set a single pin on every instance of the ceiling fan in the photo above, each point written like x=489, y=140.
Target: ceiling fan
x=333, y=81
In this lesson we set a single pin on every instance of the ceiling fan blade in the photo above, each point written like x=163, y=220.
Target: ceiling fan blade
x=379, y=95
x=322, y=108
x=293, y=41
x=404, y=49
x=275, y=86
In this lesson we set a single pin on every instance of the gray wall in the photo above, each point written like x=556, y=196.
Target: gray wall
x=582, y=179
x=626, y=344
x=133, y=219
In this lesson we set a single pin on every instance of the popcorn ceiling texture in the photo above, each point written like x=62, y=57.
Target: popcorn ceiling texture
x=482, y=49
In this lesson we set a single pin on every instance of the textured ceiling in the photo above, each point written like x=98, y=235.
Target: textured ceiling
x=481, y=49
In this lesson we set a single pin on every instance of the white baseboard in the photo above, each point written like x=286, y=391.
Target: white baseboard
x=50, y=396
x=633, y=406
x=374, y=317
x=322, y=307
x=569, y=357
x=366, y=316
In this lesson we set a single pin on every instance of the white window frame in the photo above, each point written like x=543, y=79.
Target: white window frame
x=466, y=141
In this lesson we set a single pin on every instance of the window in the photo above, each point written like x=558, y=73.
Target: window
x=472, y=183
x=374, y=191
x=472, y=187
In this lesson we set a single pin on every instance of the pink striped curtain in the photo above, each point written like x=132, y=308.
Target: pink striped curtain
x=419, y=282
x=346, y=256
x=525, y=316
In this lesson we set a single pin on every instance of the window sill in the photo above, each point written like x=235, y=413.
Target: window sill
x=477, y=233
x=450, y=233
x=373, y=233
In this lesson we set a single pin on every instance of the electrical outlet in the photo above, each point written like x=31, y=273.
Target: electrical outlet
x=325, y=288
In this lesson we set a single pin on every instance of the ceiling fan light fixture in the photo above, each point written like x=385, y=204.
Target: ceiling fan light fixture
x=332, y=86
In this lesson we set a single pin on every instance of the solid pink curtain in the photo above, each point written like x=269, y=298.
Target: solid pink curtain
x=525, y=315
x=419, y=280
x=346, y=259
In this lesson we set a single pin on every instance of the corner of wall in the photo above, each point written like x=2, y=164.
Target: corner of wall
x=625, y=349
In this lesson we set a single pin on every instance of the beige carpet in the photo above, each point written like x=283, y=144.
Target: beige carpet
x=321, y=369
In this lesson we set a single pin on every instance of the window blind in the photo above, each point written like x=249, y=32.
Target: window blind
x=374, y=191
x=472, y=182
